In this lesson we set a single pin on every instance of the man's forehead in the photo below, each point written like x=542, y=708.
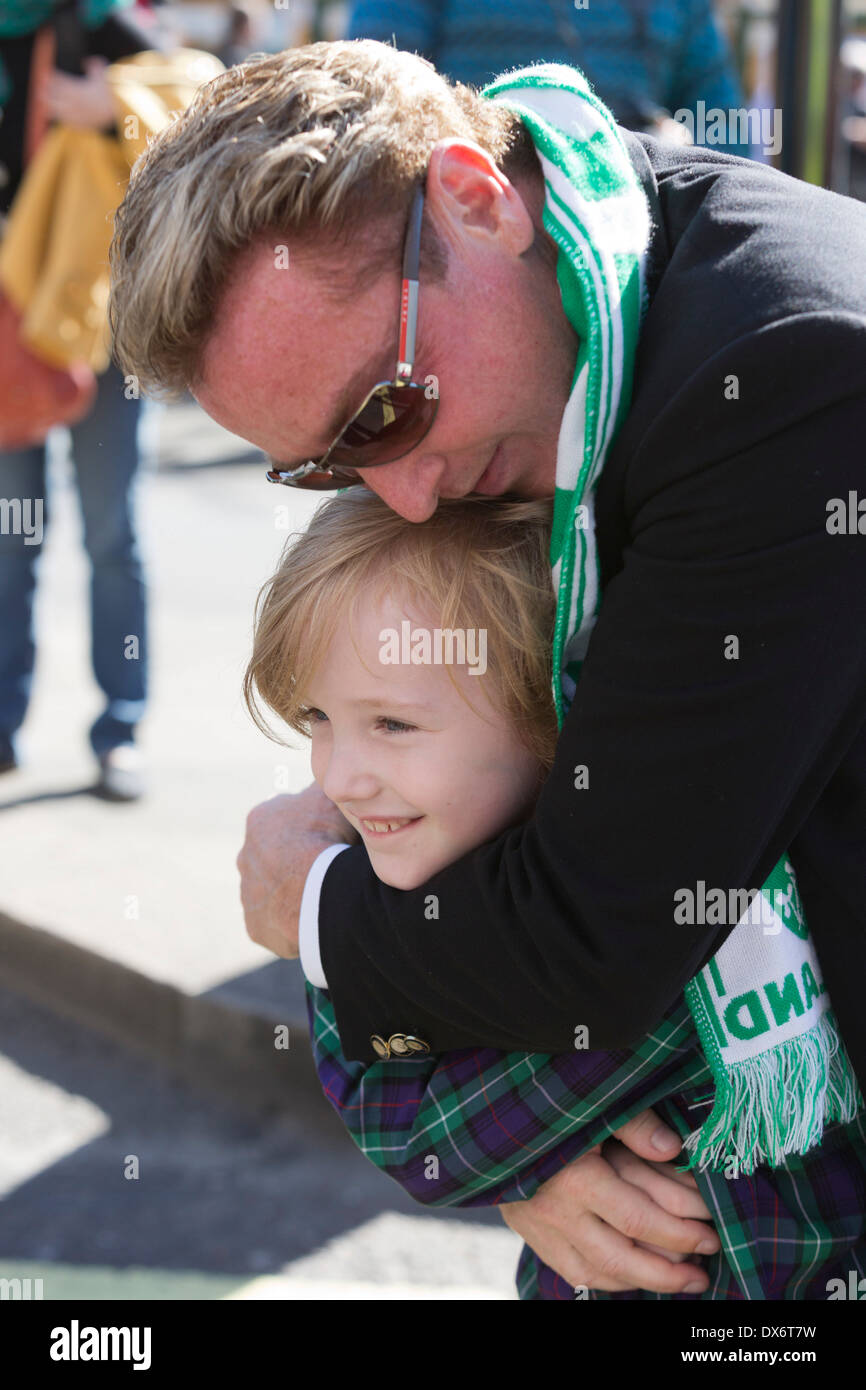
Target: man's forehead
x=268, y=309
x=285, y=365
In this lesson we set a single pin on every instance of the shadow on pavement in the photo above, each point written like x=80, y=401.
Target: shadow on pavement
x=218, y=1190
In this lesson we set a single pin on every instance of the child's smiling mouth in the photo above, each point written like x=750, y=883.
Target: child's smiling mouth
x=387, y=825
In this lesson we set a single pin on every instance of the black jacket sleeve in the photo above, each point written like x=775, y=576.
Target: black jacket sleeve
x=702, y=764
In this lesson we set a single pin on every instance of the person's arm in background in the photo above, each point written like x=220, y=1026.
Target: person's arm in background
x=86, y=100
x=81, y=99
x=412, y=26
x=705, y=72
x=700, y=767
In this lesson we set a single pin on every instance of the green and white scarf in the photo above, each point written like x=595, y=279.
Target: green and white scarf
x=762, y=1014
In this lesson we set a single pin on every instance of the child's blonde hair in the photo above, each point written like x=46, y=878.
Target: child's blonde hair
x=477, y=562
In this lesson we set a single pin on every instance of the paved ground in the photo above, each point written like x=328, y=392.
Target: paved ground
x=127, y=917
x=226, y=1205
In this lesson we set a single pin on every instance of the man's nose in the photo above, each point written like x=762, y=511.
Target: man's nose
x=409, y=486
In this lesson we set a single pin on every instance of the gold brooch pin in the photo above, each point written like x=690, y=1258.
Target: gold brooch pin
x=398, y=1045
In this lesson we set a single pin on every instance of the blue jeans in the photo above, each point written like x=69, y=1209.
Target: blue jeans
x=105, y=451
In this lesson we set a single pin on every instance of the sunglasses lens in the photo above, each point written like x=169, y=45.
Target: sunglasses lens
x=392, y=422
x=320, y=482
x=313, y=482
x=389, y=425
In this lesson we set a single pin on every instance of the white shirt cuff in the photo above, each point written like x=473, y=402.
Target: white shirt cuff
x=308, y=923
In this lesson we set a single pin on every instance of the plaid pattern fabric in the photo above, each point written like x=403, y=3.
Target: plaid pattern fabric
x=785, y=1231
x=477, y=1127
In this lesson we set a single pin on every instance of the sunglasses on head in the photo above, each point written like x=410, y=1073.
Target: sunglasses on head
x=395, y=416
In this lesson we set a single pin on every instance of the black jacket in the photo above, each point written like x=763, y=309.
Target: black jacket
x=748, y=417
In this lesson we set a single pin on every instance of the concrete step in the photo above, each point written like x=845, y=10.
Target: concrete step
x=223, y=1039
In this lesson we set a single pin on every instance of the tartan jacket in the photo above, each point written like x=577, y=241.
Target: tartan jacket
x=476, y=1127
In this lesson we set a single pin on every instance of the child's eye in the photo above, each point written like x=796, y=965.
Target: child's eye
x=313, y=715
x=395, y=726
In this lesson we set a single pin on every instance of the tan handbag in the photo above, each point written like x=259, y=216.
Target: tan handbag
x=34, y=395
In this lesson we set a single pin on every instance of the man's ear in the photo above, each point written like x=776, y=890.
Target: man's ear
x=470, y=197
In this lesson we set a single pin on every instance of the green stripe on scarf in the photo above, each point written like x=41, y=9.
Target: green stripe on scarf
x=763, y=1017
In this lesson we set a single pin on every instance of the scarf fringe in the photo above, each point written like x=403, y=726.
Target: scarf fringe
x=777, y=1104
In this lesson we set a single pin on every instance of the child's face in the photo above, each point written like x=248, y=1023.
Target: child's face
x=398, y=744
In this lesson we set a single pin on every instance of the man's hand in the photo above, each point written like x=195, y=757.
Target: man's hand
x=614, y=1222
x=284, y=836
x=86, y=102
x=676, y=132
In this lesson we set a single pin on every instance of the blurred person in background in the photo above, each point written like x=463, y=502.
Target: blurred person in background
x=645, y=59
x=238, y=42
x=105, y=445
x=853, y=112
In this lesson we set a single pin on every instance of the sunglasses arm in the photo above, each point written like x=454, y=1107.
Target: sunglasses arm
x=409, y=296
x=408, y=323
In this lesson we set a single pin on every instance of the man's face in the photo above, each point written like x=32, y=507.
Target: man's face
x=424, y=766
x=284, y=360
